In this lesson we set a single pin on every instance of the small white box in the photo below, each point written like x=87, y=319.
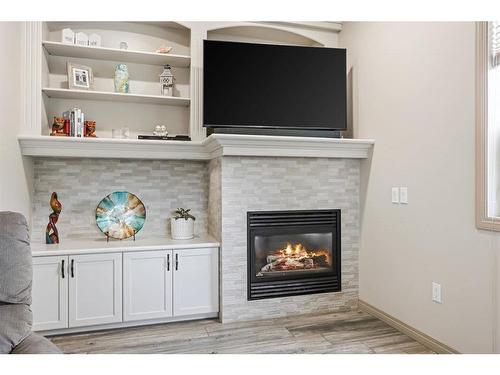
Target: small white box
x=94, y=40
x=81, y=39
x=66, y=36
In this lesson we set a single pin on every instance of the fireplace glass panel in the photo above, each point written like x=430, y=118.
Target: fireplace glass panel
x=283, y=255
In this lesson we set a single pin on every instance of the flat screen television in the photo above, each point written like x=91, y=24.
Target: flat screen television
x=250, y=86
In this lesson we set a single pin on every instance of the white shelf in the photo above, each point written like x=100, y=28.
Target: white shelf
x=48, y=146
x=115, y=97
x=285, y=146
x=214, y=146
x=115, y=54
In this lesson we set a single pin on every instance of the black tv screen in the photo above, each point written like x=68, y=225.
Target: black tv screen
x=273, y=86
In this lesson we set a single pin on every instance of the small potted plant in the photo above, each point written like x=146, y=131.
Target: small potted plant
x=182, y=224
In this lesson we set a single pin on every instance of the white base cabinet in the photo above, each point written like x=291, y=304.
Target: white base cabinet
x=99, y=289
x=147, y=285
x=196, y=284
x=95, y=289
x=50, y=293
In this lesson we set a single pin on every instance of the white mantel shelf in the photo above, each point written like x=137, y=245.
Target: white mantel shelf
x=309, y=147
x=216, y=145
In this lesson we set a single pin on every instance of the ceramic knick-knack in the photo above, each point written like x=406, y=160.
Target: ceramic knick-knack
x=121, y=78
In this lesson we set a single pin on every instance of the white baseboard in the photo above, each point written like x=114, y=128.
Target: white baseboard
x=415, y=334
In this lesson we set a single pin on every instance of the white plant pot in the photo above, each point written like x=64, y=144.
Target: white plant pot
x=182, y=229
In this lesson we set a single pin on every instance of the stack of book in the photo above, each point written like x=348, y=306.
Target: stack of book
x=74, y=121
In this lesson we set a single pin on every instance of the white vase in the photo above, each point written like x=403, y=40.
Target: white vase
x=182, y=229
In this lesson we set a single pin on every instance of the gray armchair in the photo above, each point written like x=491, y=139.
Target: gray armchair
x=16, y=276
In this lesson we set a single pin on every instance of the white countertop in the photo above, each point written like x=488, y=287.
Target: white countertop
x=99, y=245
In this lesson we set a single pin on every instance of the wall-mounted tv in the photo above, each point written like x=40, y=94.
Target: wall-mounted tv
x=250, y=86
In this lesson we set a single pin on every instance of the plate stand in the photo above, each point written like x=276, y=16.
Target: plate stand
x=107, y=236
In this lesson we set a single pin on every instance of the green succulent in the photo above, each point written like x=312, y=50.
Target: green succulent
x=182, y=213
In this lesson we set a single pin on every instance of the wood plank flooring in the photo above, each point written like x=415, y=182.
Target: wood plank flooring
x=346, y=332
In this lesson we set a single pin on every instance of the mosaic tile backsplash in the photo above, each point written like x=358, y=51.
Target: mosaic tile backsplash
x=162, y=185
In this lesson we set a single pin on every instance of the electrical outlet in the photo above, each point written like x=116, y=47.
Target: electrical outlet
x=403, y=195
x=436, y=292
x=395, y=195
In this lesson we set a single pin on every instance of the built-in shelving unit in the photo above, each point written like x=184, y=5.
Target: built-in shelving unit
x=115, y=97
x=115, y=54
x=144, y=106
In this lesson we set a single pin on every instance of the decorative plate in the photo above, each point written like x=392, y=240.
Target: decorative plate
x=120, y=215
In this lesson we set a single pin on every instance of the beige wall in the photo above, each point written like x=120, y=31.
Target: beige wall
x=414, y=93
x=14, y=192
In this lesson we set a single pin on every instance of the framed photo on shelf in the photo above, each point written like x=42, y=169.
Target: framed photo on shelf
x=80, y=77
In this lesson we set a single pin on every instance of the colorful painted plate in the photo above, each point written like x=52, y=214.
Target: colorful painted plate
x=120, y=215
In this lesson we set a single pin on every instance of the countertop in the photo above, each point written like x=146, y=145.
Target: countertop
x=99, y=245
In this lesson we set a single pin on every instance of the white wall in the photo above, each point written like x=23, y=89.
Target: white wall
x=414, y=93
x=15, y=170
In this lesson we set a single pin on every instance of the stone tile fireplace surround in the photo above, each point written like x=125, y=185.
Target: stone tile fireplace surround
x=240, y=184
x=220, y=191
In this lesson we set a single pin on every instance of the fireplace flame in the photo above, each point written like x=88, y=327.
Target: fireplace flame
x=296, y=257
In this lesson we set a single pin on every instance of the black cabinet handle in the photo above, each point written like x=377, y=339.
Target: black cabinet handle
x=62, y=268
x=168, y=262
x=176, y=262
x=72, y=268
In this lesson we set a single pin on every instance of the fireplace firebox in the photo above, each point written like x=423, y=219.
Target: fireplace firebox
x=293, y=253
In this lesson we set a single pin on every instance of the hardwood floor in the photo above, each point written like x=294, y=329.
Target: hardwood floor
x=347, y=332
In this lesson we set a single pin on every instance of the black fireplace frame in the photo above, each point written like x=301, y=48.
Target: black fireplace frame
x=294, y=284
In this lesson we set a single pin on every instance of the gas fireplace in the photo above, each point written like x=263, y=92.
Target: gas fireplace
x=293, y=253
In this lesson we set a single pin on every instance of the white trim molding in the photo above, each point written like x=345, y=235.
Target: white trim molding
x=309, y=147
x=483, y=220
x=216, y=145
x=31, y=80
x=408, y=330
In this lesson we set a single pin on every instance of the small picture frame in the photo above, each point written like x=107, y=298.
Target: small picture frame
x=80, y=77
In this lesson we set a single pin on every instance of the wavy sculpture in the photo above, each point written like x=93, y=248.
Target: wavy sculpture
x=51, y=233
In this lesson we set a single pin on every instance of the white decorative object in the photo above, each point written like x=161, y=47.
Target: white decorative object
x=66, y=36
x=94, y=40
x=81, y=39
x=167, y=81
x=123, y=45
x=160, y=131
x=121, y=133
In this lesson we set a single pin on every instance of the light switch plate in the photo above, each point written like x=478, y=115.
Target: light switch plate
x=395, y=195
x=403, y=195
x=436, y=292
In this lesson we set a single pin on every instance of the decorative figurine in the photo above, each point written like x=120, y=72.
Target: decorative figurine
x=123, y=45
x=121, y=79
x=90, y=129
x=160, y=131
x=51, y=233
x=58, y=127
x=167, y=81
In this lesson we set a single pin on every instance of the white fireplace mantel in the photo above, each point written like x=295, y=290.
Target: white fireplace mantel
x=215, y=145
x=309, y=147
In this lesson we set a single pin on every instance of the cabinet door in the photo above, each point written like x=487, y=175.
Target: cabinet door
x=50, y=293
x=147, y=285
x=196, y=281
x=95, y=289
